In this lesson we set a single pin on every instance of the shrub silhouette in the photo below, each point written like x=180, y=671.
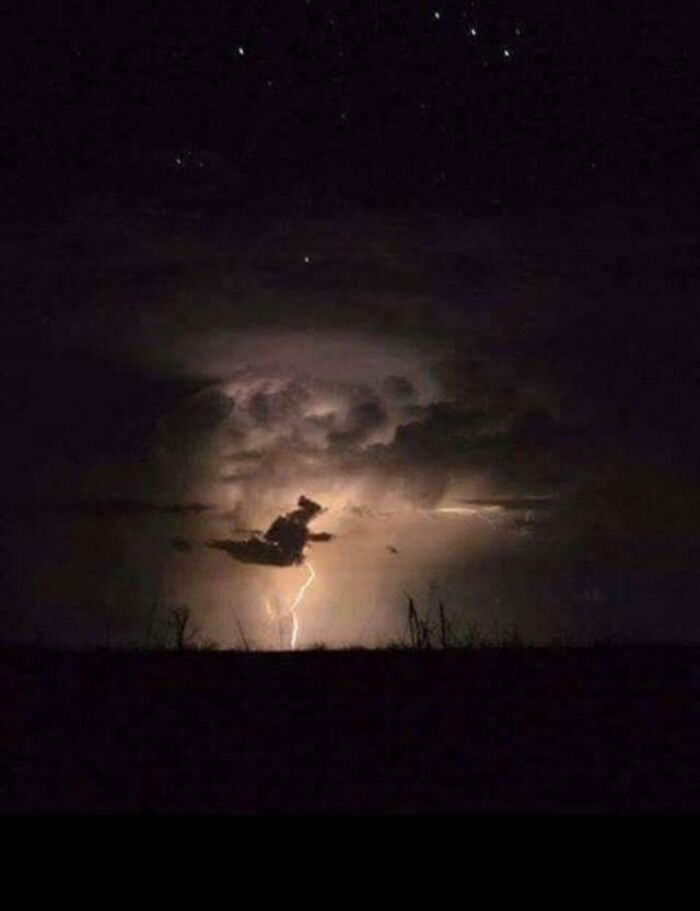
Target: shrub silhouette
x=184, y=631
x=421, y=634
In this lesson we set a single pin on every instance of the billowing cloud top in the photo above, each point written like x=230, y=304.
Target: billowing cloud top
x=340, y=422
x=268, y=429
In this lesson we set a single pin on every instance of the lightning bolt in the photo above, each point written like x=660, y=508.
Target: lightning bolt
x=297, y=601
x=275, y=613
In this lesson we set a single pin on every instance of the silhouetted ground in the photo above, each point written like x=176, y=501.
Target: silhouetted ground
x=566, y=730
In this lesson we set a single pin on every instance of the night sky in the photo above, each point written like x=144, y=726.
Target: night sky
x=434, y=266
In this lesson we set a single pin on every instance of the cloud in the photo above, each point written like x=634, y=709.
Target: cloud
x=181, y=544
x=360, y=422
x=114, y=507
x=263, y=431
x=430, y=367
x=279, y=405
x=445, y=430
x=399, y=388
x=283, y=544
x=246, y=456
x=196, y=417
x=529, y=504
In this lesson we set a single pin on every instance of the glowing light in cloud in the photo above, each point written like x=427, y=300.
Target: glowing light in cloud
x=488, y=513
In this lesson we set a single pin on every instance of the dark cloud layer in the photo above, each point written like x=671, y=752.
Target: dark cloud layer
x=112, y=508
x=399, y=387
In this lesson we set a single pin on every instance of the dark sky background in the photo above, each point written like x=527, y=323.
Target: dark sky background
x=441, y=251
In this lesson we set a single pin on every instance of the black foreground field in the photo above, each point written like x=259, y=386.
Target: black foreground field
x=584, y=730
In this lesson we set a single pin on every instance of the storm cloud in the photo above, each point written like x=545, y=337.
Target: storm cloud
x=412, y=363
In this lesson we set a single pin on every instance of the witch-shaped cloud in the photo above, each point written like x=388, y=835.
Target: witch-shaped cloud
x=283, y=543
